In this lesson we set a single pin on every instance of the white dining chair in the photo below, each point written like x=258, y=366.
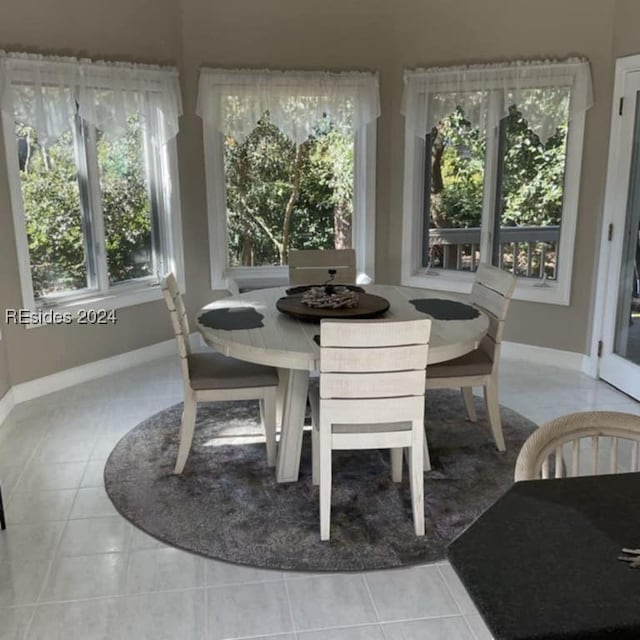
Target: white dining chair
x=311, y=266
x=491, y=294
x=371, y=396
x=211, y=377
x=607, y=442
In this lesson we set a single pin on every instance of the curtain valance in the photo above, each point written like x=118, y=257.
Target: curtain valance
x=432, y=94
x=46, y=92
x=233, y=101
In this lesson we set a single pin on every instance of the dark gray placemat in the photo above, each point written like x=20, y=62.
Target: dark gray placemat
x=441, y=309
x=232, y=318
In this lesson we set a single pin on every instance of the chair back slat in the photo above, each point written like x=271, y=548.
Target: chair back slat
x=488, y=300
x=372, y=385
x=575, y=457
x=356, y=334
x=603, y=455
x=311, y=266
x=611, y=438
x=372, y=410
x=369, y=360
x=544, y=471
x=179, y=321
x=595, y=450
x=559, y=463
x=496, y=279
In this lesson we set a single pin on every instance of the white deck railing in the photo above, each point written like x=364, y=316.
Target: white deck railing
x=535, y=249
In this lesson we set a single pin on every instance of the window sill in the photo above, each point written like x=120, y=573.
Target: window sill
x=68, y=310
x=459, y=282
x=265, y=277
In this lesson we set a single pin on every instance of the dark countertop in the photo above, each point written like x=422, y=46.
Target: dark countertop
x=541, y=563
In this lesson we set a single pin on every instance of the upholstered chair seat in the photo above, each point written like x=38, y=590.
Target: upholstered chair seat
x=217, y=371
x=475, y=363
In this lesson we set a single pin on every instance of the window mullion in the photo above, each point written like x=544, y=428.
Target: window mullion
x=153, y=171
x=426, y=207
x=92, y=204
x=492, y=188
x=88, y=227
x=496, y=212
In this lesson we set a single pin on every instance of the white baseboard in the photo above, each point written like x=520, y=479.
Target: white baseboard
x=545, y=355
x=91, y=371
x=7, y=402
x=76, y=375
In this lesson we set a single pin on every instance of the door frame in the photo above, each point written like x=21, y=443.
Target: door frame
x=614, y=210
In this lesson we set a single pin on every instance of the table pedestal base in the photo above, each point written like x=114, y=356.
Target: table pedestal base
x=293, y=410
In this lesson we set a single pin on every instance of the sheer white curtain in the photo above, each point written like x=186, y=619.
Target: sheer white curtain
x=233, y=101
x=46, y=92
x=431, y=94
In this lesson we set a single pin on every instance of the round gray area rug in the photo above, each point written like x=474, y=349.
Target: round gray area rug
x=227, y=504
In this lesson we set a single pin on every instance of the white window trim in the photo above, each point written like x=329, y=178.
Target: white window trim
x=118, y=296
x=363, y=219
x=414, y=275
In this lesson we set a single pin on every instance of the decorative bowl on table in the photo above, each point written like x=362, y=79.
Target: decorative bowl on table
x=314, y=303
x=330, y=297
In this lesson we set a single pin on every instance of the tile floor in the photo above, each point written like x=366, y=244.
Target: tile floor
x=71, y=567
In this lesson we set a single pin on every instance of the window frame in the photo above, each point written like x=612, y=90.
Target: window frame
x=412, y=272
x=163, y=189
x=363, y=217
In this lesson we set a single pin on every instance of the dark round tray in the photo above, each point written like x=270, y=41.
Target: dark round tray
x=369, y=306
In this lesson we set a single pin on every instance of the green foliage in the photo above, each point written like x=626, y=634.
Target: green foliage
x=533, y=174
x=52, y=215
x=125, y=206
x=280, y=196
x=55, y=229
x=460, y=202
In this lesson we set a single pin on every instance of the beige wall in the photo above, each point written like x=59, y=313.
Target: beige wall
x=5, y=382
x=335, y=34
x=140, y=30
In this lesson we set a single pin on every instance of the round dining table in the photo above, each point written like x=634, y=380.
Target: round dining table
x=248, y=326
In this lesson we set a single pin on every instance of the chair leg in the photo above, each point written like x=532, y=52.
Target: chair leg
x=396, y=464
x=325, y=481
x=314, y=404
x=416, y=471
x=493, y=409
x=469, y=404
x=426, y=458
x=283, y=378
x=315, y=456
x=3, y=524
x=268, y=417
x=186, y=430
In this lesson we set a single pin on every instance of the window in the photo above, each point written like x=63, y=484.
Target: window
x=93, y=179
x=290, y=163
x=492, y=167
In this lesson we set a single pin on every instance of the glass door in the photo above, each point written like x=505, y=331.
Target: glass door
x=620, y=345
